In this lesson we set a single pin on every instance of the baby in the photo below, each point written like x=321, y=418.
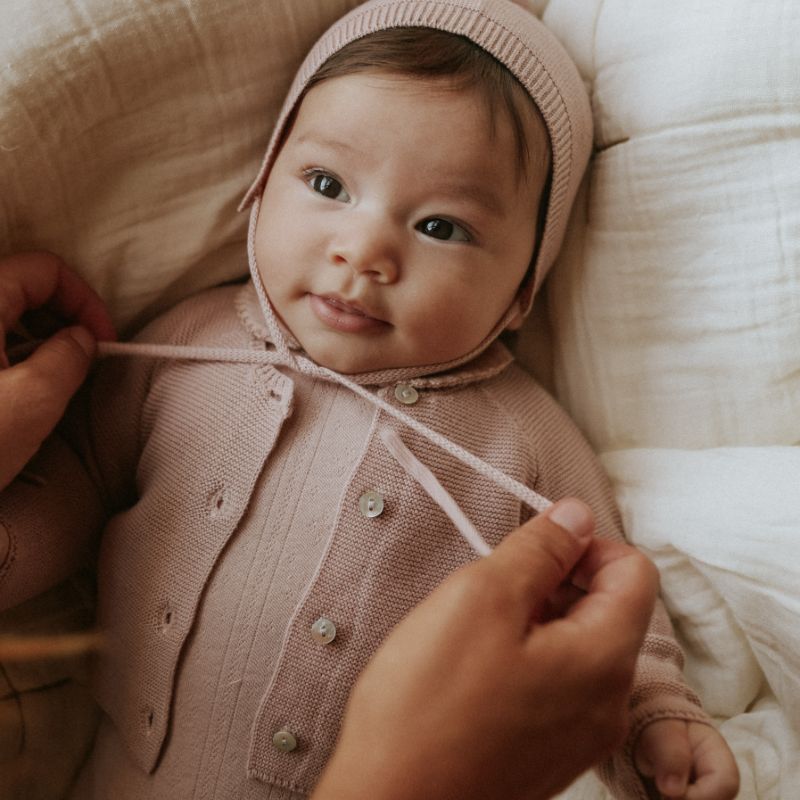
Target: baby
x=274, y=500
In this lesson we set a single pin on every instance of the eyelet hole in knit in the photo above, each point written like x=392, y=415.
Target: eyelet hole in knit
x=166, y=619
x=217, y=502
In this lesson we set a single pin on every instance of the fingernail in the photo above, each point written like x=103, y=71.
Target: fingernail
x=574, y=516
x=84, y=339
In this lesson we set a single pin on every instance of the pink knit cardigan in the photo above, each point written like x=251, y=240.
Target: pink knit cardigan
x=183, y=444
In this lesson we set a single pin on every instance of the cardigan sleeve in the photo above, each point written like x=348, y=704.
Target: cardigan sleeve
x=563, y=464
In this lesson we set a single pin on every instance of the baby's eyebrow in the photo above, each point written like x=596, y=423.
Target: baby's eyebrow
x=478, y=193
x=334, y=144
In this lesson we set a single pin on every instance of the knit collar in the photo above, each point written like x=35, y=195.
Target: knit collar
x=493, y=360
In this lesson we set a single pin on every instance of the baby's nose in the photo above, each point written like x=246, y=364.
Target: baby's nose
x=368, y=250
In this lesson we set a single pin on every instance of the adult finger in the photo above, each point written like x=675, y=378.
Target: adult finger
x=34, y=394
x=52, y=374
x=31, y=280
x=537, y=557
x=621, y=586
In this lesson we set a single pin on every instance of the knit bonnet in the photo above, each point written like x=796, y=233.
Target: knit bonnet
x=519, y=41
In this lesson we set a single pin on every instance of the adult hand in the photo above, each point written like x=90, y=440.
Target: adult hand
x=35, y=392
x=499, y=684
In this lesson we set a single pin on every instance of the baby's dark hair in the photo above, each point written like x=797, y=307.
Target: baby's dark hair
x=429, y=53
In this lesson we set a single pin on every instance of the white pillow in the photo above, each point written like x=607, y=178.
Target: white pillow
x=676, y=303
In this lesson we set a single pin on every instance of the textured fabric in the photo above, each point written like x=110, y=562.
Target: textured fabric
x=677, y=298
x=130, y=129
x=252, y=591
x=187, y=444
x=676, y=317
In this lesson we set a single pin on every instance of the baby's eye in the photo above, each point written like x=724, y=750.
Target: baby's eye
x=443, y=229
x=327, y=186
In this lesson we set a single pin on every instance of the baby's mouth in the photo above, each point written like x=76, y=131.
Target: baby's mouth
x=345, y=316
x=347, y=308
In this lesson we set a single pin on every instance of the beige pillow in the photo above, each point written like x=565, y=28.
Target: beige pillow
x=130, y=131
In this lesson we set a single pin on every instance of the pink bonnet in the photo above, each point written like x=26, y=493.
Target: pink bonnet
x=518, y=40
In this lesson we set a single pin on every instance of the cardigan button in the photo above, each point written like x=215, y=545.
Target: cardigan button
x=285, y=741
x=371, y=504
x=323, y=631
x=406, y=394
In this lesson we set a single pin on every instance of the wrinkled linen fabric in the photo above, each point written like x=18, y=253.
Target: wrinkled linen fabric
x=676, y=316
x=129, y=132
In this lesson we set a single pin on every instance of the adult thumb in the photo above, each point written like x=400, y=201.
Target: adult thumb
x=62, y=361
x=48, y=378
x=538, y=556
x=35, y=392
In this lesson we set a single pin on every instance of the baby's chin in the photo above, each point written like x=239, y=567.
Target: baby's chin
x=347, y=363
x=336, y=356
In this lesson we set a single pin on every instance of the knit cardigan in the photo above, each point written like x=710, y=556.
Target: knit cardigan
x=166, y=455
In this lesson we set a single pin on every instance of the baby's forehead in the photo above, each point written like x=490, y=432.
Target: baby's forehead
x=513, y=105
x=452, y=133
x=531, y=137
x=516, y=113
x=433, y=57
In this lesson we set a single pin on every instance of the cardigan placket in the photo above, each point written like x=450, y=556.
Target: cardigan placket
x=375, y=570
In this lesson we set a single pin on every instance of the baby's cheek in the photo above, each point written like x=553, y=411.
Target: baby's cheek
x=456, y=327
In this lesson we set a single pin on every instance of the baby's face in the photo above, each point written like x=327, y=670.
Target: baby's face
x=394, y=229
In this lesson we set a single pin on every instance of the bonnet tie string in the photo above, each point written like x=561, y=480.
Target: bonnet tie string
x=390, y=439
x=430, y=483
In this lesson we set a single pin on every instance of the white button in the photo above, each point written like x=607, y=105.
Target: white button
x=285, y=741
x=371, y=504
x=406, y=394
x=323, y=631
